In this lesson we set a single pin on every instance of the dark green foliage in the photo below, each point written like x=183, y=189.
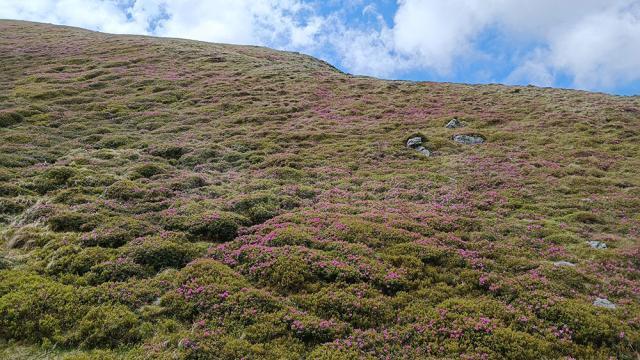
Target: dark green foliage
x=12, y=206
x=35, y=308
x=67, y=221
x=116, y=231
x=116, y=270
x=168, y=151
x=289, y=273
x=263, y=206
x=159, y=253
x=217, y=226
x=124, y=190
x=107, y=326
x=147, y=170
x=8, y=118
x=54, y=178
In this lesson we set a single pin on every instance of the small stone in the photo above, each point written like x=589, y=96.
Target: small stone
x=454, y=123
x=468, y=139
x=414, y=142
x=563, y=263
x=423, y=150
x=597, y=244
x=605, y=303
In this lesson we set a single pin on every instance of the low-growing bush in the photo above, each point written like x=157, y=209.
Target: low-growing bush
x=168, y=151
x=54, y=178
x=34, y=308
x=107, y=326
x=147, y=170
x=261, y=207
x=12, y=206
x=590, y=325
x=8, y=118
x=159, y=253
x=289, y=273
x=124, y=190
x=72, y=259
x=116, y=231
x=217, y=226
x=69, y=221
x=119, y=269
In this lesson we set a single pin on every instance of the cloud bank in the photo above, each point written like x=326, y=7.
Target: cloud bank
x=586, y=44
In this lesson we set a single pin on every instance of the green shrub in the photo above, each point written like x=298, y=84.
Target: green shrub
x=34, y=308
x=159, y=253
x=124, y=190
x=218, y=226
x=585, y=217
x=147, y=170
x=8, y=118
x=261, y=207
x=54, y=178
x=113, y=142
x=590, y=325
x=107, y=326
x=119, y=269
x=68, y=221
x=360, y=305
x=72, y=259
x=289, y=273
x=188, y=183
x=371, y=234
x=168, y=151
x=12, y=206
x=116, y=231
x=4, y=263
x=27, y=237
x=510, y=344
x=7, y=189
x=292, y=236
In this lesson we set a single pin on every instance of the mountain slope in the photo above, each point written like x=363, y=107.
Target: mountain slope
x=165, y=198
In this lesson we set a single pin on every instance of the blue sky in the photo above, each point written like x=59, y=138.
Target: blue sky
x=581, y=44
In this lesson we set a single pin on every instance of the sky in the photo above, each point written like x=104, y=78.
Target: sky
x=580, y=44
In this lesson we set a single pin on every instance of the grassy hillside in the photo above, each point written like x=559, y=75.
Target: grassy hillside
x=164, y=198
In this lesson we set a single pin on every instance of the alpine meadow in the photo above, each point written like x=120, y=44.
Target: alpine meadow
x=174, y=199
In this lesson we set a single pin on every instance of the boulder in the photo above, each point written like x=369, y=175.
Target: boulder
x=563, y=263
x=423, y=150
x=468, y=139
x=416, y=144
x=597, y=244
x=454, y=124
x=605, y=303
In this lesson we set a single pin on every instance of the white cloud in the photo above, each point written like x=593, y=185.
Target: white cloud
x=258, y=22
x=596, y=43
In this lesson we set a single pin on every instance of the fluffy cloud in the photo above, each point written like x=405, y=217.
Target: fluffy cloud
x=593, y=43
x=596, y=43
x=258, y=22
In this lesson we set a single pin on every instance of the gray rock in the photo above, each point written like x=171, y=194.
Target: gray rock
x=605, y=303
x=468, y=139
x=597, y=244
x=423, y=150
x=454, y=123
x=563, y=263
x=414, y=142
